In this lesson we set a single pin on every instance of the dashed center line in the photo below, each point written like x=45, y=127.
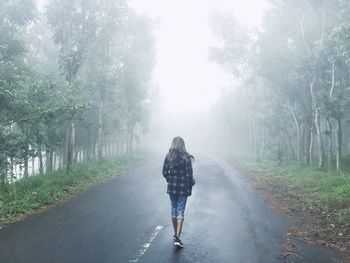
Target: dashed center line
x=146, y=245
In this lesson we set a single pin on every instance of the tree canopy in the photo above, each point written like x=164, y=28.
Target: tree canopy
x=294, y=75
x=74, y=81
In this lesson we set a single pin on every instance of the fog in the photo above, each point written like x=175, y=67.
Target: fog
x=96, y=89
x=188, y=83
x=83, y=80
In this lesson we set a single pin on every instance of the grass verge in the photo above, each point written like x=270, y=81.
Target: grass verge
x=327, y=192
x=325, y=196
x=28, y=195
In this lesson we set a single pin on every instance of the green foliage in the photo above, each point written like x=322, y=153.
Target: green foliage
x=294, y=74
x=322, y=192
x=238, y=46
x=76, y=75
x=74, y=25
x=27, y=195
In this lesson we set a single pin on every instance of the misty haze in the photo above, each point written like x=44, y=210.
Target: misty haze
x=174, y=131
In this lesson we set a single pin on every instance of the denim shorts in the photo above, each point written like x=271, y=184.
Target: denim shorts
x=178, y=204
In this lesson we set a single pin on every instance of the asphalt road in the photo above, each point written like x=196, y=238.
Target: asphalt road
x=127, y=219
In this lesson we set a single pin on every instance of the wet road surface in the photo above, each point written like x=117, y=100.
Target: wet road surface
x=127, y=219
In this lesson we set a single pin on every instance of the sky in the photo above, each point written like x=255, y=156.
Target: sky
x=186, y=79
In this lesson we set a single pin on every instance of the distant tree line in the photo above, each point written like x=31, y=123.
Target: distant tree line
x=74, y=82
x=294, y=83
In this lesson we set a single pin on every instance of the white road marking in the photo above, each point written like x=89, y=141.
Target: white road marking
x=146, y=245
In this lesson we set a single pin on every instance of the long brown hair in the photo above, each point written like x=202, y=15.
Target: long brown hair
x=178, y=151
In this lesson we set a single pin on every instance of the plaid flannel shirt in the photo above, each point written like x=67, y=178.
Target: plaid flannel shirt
x=179, y=177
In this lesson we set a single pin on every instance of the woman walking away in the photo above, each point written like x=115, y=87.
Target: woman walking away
x=177, y=170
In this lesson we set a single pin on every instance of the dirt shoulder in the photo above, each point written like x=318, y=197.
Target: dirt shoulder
x=304, y=222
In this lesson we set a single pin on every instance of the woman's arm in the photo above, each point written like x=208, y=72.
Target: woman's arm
x=189, y=172
x=166, y=169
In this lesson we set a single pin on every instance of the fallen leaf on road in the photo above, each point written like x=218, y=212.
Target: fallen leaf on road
x=289, y=247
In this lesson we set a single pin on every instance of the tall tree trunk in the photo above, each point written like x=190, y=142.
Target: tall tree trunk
x=131, y=140
x=40, y=155
x=109, y=147
x=141, y=138
x=33, y=164
x=316, y=112
x=307, y=132
x=130, y=135
x=321, y=154
x=12, y=167
x=290, y=142
x=76, y=154
x=69, y=145
x=285, y=146
x=303, y=143
x=279, y=152
x=311, y=145
x=26, y=159
x=26, y=152
x=119, y=145
x=72, y=144
x=60, y=158
x=100, y=131
x=339, y=126
x=49, y=159
x=54, y=157
x=88, y=147
x=297, y=126
x=338, y=145
x=329, y=142
x=94, y=152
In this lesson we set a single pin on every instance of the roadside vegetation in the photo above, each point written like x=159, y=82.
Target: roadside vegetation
x=319, y=199
x=75, y=83
x=290, y=100
x=289, y=106
x=317, y=190
x=30, y=194
x=75, y=79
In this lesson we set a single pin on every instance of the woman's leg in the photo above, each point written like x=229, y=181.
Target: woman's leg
x=174, y=224
x=179, y=224
x=173, y=200
x=181, y=205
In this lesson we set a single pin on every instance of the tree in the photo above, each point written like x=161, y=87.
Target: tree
x=298, y=73
x=74, y=25
x=236, y=57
